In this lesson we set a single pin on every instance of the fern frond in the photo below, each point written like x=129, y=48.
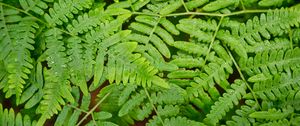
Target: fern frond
x=130, y=67
x=168, y=110
x=174, y=95
x=274, y=23
x=175, y=121
x=232, y=42
x=63, y=10
x=242, y=114
x=70, y=116
x=188, y=62
x=276, y=44
x=141, y=113
x=76, y=63
x=295, y=121
x=102, y=47
x=124, y=95
x=272, y=114
x=276, y=3
x=10, y=118
x=134, y=4
x=199, y=97
x=296, y=35
x=131, y=104
x=219, y=4
x=225, y=103
x=94, y=18
x=271, y=62
x=195, y=3
x=198, y=28
x=56, y=78
x=155, y=58
x=37, y=6
x=151, y=31
x=191, y=48
x=141, y=108
x=16, y=44
x=215, y=72
x=34, y=93
x=181, y=121
x=94, y=38
x=183, y=74
x=292, y=99
x=110, y=104
x=283, y=122
x=87, y=21
x=277, y=87
x=171, y=7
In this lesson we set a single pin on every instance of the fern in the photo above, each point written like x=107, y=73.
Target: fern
x=156, y=62
x=65, y=9
x=76, y=63
x=259, y=28
x=56, y=79
x=8, y=117
x=277, y=87
x=16, y=43
x=226, y=102
x=271, y=62
x=271, y=114
x=278, y=3
x=36, y=6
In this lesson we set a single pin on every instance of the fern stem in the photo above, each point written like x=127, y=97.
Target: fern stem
x=153, y=30
x=212, y=41
x=141, y=13
x=242, y=76
x=74, y=107
x=242, y=3
x=186, y=9
x=93, y=119
x=218, y=15
x=147, y=93
x=93, y=109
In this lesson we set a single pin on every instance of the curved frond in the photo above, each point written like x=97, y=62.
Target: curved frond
x=57, y=86
x=76, y=63
x=17, y=39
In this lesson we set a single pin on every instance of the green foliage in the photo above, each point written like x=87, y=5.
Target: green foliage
x=162, y=62
x=8, y=117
